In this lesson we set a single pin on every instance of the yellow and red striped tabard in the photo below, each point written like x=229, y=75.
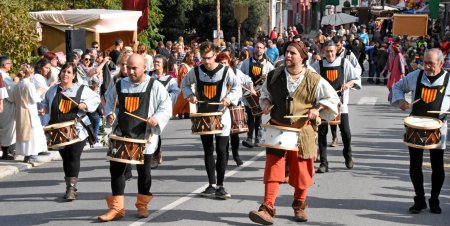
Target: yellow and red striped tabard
x=131, y=103
x=429, y=94
x=65, y=106
x=332, y=75
x=256, y=70
x=209, y=91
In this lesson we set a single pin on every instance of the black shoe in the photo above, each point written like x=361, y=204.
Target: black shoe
x=370, y=80
x=349, y=164
x=44, y=153
x=238, y=160
x=155, y=163
x=322, y=168
x=248, y=143
x=209, y=192
x=419, y=205
x=8, y=157
x=256, y=141
x=186, y=116
x=378, y=82
x=222, y=194
x=434, y=206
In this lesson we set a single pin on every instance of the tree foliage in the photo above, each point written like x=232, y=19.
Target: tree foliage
x=18, y=35
x=151, y=36
x=198, y=18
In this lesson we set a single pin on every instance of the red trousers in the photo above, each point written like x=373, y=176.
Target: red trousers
x=301, y=172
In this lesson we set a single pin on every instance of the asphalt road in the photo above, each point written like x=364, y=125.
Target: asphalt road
x=377, y=191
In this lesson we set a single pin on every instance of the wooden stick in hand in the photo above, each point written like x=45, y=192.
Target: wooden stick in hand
x=135, y=116
x=415, y=101
x=295, y=116
x=69, y=98
x=439, y=112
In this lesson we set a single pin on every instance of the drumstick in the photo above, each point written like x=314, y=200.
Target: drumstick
x=215, y=103
x=439, y=112
x=135, y=116
x=295, y=116
x=415, y=101
x=69, y=98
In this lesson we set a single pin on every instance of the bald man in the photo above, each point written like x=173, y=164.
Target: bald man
x=155, y=106
x=430, y=87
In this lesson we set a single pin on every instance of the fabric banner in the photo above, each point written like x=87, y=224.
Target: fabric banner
x=138, y=5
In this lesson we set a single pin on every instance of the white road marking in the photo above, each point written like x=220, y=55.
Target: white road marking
x=194, y=193
x=367, y=101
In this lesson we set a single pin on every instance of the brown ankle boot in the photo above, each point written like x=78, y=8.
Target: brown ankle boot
x=299, y=211
x=116, y=210
x=71, y=188
x=141, y=204
x=263, y=216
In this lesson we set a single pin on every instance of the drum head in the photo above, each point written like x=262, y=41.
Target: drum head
x=205, y=114
x=421, y=122
x=280, y=127
x=124, y=160
x=59, y=125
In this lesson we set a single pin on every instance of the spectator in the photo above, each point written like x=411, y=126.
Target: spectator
x=272, y=51
x=114, y=54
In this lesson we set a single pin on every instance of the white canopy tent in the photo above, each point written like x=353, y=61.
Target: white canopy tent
x=338, y=19
x=101, y=25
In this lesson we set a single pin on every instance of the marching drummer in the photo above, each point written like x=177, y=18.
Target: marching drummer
x=66, y=102
x=293, y=90
x=139, y=95
x=430, y=91
x=342, y=76
x=212, y=80
x=257, y=67
x=245, y=82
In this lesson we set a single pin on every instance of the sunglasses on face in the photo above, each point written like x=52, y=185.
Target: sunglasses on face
x=95, y=47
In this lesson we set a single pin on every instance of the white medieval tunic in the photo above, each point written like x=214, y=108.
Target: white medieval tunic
x=41, y=88
x=7, y=117
x=160, y=107
x=233, y=94
x=171, y=86
x=30, y=133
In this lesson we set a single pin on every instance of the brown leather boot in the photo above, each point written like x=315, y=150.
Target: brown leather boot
x=71, y=188
x=141, y=204
x=263, y=216
x=299, y=211
x=116, y=210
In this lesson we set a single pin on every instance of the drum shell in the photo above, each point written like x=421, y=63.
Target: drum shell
x=59, y=135
x=126, y=150
x=422, y=136
x=238, y=120
x=252, y=101
x=279, y=137
x=206, y=123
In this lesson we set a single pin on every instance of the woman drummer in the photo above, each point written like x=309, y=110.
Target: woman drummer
x=245, y=81
x=69, y=101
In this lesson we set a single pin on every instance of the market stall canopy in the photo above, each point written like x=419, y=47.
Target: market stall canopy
x=94, y=20
x=338, y=19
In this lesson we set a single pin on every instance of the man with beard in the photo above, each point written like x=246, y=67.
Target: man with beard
x=341, y=75
x=257, y=67
x=293, y=90
x=429, y=86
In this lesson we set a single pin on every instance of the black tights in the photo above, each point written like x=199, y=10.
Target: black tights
x=221, y=165
x=437, y=171
x=71, y=155
x=253, y=123
x=117, y=170
x=346, y=139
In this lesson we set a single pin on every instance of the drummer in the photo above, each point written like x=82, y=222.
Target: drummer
x=245, y=82
x=257, y=67
x=342, y=76
x=315, y=97
x=212, y=80
x=420, y=82
x=155, y=106
x=61, y=109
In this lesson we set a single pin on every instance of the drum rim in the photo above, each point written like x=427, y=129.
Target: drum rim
x=281, y=127
x=208, y=132
x=126, y=139
x=422, y=127
x=65, y=143
x=205, y=114
x=59, y=125
x=278, y=147
x=431, y=146
x=124, y=160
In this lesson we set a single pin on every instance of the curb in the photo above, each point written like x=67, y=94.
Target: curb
x=12, y=167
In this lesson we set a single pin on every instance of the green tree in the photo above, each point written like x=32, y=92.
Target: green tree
x=18, y=35
x=151, y=36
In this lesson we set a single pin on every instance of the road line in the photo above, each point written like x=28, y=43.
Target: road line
x=189, y=196
x=367, y=101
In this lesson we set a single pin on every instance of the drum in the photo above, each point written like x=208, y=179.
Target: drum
x=206, y=123
x=279, y=137
x=252, y=101
x=126, y=150
x=422, y=132
x=238, y=120
x=61, y=134
x=335, y=121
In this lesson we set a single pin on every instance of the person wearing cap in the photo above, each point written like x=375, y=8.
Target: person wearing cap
x=272, y=51
x=292, y=89
x=342, y=76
